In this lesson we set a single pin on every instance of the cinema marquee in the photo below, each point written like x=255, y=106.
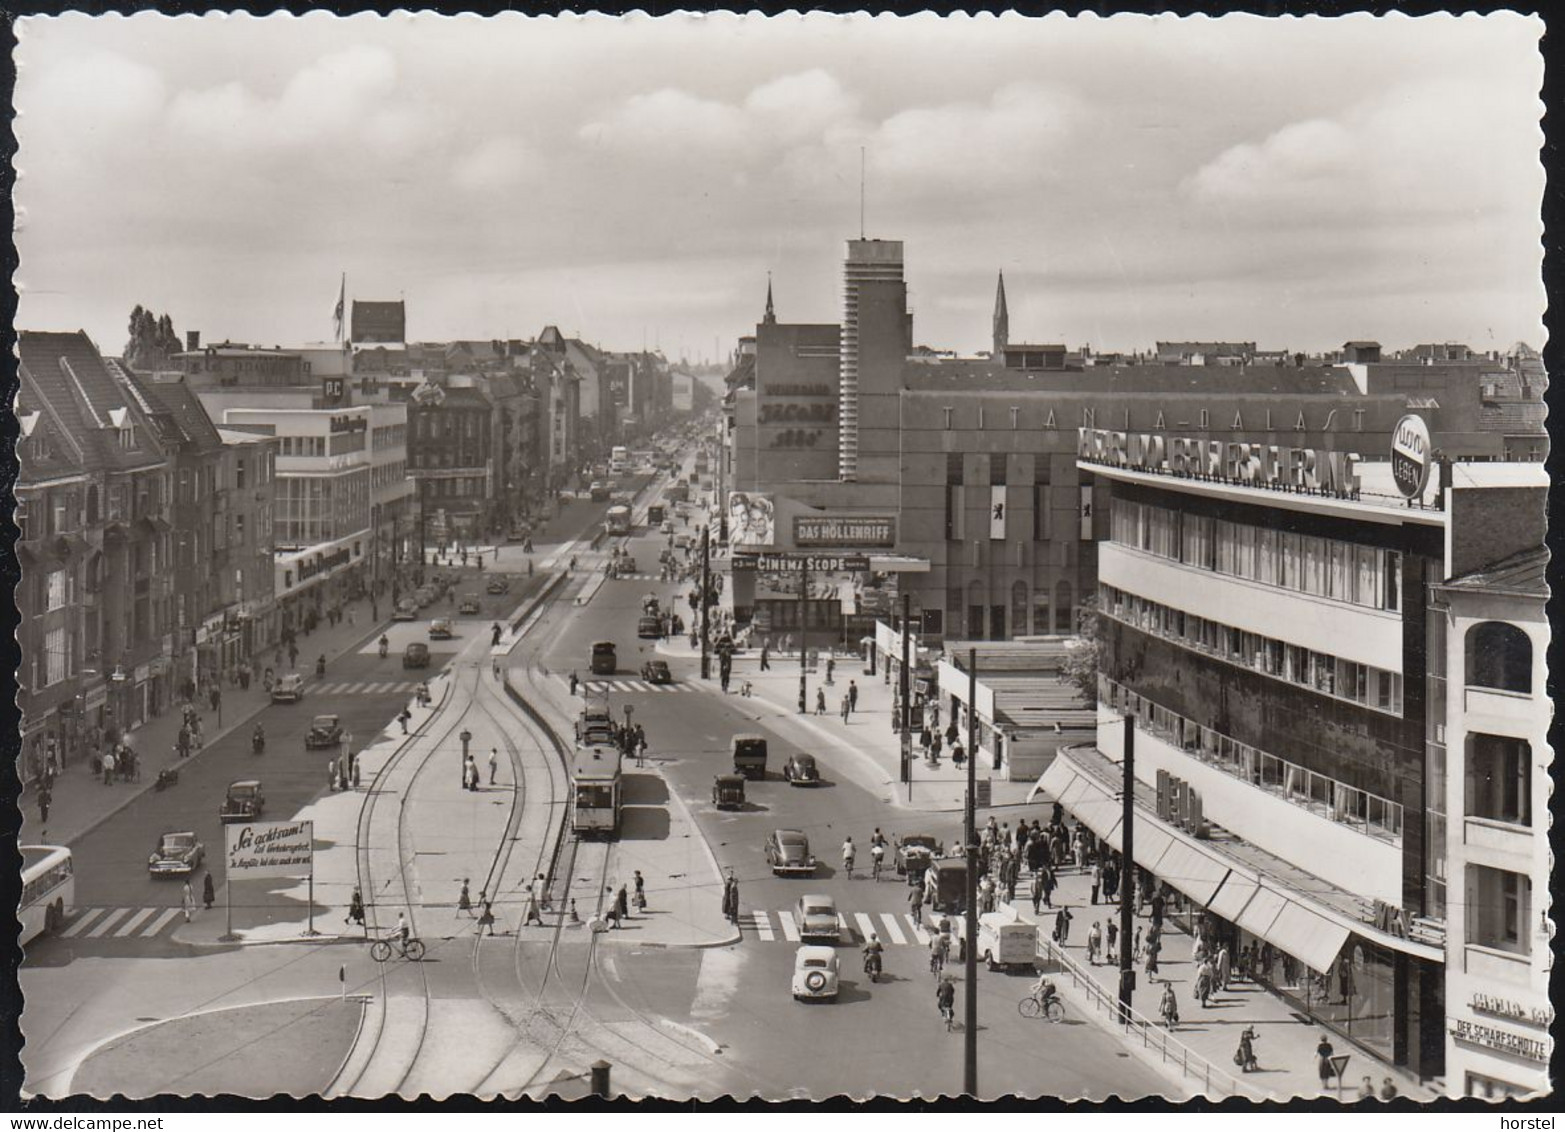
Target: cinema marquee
x=1252, y=465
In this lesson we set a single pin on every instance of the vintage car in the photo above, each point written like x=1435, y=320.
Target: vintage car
x=728, y=791
x=244, y=801
x=176, y=853
x=440, y=628
x=407, y=610
x=649, y=627
x=656, y=672
x=416, y=655
x=595, y=727
x=325, y=731
x=800, y=770
x=914, y=854
x=289, y=688
x=424, y=596
x=498, y=585
x=788, y=853
x=666, y=527
x=470, y=603
x=817, y=918
x=815, y=974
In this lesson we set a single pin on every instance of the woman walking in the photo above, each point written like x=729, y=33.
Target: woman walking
x=208, y=893
x=187, y=900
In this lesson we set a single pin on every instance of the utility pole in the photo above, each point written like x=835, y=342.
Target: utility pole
x=970, y=1021
x=804, y=635
x=706, y=550
x=1127, y=873
x=905, y=686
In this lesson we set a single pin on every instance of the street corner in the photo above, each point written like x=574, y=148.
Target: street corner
x=293, y=1047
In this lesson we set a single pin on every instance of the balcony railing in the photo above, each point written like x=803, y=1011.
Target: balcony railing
x=1322, y=796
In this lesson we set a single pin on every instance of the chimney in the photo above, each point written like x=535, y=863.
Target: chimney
x=192, y=340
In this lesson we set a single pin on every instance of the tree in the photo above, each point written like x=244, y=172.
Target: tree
x=153, y=340
x=1081, y=665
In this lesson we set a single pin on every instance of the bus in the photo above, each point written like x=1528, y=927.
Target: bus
x=595, y=791
x=48, y=889
x=619, y=460
x=618, y=520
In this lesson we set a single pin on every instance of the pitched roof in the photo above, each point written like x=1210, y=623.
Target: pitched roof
x=183, y=420
x=1522, y=573
x=1513, y=417
x=88, y=398
x=379, y=321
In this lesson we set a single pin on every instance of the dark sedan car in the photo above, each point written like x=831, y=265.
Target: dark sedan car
x=656, y=672
x=788, y=853
x=801, y=770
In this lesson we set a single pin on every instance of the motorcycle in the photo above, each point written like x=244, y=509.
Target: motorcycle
x=872, y=965
x=385, y=646
x=320, y=666
x=258, y=742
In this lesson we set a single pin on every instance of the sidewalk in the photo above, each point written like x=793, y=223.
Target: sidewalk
x=1285, y=1046
x=81, y=801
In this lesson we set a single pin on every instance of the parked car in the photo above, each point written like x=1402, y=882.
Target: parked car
x=289, y=688
x=728, y=791
x=440, y=629
x=407, y=610
x=788, y=853
x=470, y=604
x=656, y=672
x=816, y=975
x=800, y=770
x=416, y=655
x=816, y=916
x=325, y=731
x=243, y=802
x=914, y=854
x=649, y=627
x=498, y=585
x=176, y=853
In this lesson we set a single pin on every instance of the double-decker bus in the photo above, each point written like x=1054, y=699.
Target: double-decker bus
x=595, y=791
x=48, y=889
x=617, y=521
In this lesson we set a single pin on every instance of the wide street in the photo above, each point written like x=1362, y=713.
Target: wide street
x=529, y=1009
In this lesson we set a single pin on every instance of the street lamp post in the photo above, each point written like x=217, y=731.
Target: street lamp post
x=804, y=635
x=706, y=566
x=970, y=1001
x=905, y=687
x=1127, y=872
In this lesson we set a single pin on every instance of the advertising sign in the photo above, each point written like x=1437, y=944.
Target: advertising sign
x=266, y=849
x=1252, y=465
x=1086, y=512
x=751, y=519
x=815, y=563
x=845, y=530
x=997, y=513
x=1410, y=451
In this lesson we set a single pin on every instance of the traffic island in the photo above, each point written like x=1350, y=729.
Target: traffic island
x=292, y=1047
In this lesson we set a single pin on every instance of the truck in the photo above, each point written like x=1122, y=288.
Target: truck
x=749, y=753
x=945, y=885
x=655, y=514
x=1006, y=941
x=595, y=727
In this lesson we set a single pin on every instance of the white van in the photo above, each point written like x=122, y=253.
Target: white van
x=1005, y=941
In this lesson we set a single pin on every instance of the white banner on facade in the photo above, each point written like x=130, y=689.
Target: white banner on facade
x=997, y=512
x=265, y=849
x=1086, y=513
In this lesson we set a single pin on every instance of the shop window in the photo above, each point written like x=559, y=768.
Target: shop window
x=1499, y=779
x=1499, y=656
x=1499, y=908
x=1492, y=1088
x=1064, y=612
x=1040, y=611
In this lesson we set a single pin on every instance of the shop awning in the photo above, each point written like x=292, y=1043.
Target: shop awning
x=1260, y=912
x=1059, y=777
x=1233, y=896
x=1193, y=872
x=1308, y=936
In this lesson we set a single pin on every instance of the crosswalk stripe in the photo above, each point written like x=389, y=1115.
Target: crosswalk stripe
x=866, y=925
x=843, y=925
x=329, y=689
x=763, y=926
x=86, y=918
x=107, y=922
x=160, y=923
x=893, y=929
x=918, y=933
x=379, y=689
x=130, y=925
x=790, y=930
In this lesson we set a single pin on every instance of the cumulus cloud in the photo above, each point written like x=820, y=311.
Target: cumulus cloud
x=669, y=123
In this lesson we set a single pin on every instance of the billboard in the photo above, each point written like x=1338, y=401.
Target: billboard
x=751, y=519
x=845, y=530
x=1410, y=453
x=266, y=849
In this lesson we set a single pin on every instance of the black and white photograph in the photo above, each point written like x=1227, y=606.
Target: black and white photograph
x=950, y=556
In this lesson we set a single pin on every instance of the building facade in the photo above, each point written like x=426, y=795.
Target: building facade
x=451, y=459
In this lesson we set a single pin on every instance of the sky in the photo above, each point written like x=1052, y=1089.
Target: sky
x=636, y=181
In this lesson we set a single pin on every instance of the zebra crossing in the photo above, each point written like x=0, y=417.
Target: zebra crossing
x=121, y=923
x=363, y=688
x=893, y=928
x=598, y=687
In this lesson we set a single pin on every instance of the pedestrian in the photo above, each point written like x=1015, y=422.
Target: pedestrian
x=766, y=661
x=464, y=901
x=641, y=892
x=1388, y=1089
x=1094, y=942
x=331, y=775
x=916, y=902
x=1037, y=891
x=45, y=797
x=853, y=695
x=846, y=708
x=355, y=908
x=1097, y=881
x=531, y=914
x=1111, y=943
x=486, y=918
x=540, y=890
x=1154, y=946
x=574, y=683
x=208, y=891
x=187, y=901
x=494, y=763
x=1323, y=1064
x=1048, y=885
x=403, y=719
x=1062, y=925
x=1203, y=981
x=831, y=670
x=820, y=701
x=1366, y=1089
x=108, y=768
x=1224, y=965
x=621, y=906
x=1136, y=952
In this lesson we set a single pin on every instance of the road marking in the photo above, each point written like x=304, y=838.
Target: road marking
x=918, y=933
x=893, y=929
x=107, y=922
x=160, y=923
x=790, y=930
x=82, y=922
x=844, y=926
x=866, y=925
x=328, y=689
x=130, y=925
x=380, y=689
x=763, y=926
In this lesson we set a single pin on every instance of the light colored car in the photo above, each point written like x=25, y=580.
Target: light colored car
x=667, y=527
x=176, y=853
x=440, y=629
x=816, y=916
x=406, y=610
x=788, y=853
x=816, y=974
x=289, y=688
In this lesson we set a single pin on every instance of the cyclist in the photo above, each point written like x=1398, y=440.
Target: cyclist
x=1043, y=990
x=877, y=856
x=385, y=645
x=939, y=949
x=945, y=998
x=848, y=853
x=401, y=933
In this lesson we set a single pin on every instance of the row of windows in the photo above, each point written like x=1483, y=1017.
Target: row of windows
x=1331, y=568
x=44, y=884
x=453, y=487
x=301, y=446
x=390, y=436
x=446, y=458
x=394, y=471
x=1318, y=671
x=313, y=509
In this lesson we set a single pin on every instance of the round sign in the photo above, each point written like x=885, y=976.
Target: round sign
x=1410, y=455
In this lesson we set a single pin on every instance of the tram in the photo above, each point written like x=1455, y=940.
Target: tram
x=595, y=792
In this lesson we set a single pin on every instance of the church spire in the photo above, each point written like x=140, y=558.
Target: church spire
x=771, y=314
x=1002, y=321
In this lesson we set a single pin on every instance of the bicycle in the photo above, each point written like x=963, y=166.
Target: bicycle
x=937, y=961
x=411, y=949
x=1033, y=1007
x=948, y=1012
x=876, y=864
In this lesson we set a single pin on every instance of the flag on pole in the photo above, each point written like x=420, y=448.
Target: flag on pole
x=342, y=294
